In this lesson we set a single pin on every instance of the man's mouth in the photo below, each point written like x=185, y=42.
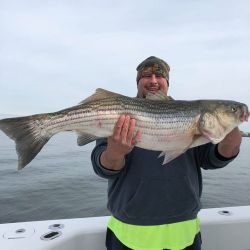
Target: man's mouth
x=153, y=89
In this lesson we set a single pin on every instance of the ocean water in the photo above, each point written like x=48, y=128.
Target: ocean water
x=60, y=182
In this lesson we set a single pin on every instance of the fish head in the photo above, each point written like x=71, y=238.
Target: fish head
x=232, y=113
x=220, y=117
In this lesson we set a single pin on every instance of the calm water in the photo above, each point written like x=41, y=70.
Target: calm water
x=60, y=183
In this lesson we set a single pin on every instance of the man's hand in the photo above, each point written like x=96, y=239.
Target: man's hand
x=120, y=143
x=230, y=145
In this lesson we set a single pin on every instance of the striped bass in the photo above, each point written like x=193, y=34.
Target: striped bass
x=166, y=125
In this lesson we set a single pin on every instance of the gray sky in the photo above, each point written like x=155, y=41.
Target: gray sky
x=53, y=54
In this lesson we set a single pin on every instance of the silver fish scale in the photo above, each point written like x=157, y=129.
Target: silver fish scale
x=154, y=118
x=167, y=126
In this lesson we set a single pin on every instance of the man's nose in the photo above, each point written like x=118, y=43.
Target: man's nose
x=153, y=79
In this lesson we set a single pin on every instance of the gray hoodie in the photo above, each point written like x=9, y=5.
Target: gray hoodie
x=145, y=192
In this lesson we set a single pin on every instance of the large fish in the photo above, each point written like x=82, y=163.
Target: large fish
x=166, y=125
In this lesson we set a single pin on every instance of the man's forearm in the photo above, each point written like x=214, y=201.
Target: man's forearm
x=230, y=145
x=109, y=161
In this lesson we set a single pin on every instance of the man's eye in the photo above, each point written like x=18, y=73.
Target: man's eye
x=158, y=75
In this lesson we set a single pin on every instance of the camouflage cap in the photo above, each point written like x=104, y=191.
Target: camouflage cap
x=153, y=65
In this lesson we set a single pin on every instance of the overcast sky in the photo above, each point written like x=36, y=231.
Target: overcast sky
x=53, y=54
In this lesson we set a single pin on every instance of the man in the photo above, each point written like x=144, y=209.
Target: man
x=155, y=207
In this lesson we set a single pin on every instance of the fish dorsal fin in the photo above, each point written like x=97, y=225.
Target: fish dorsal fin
x=160, y=95
x=99, y=95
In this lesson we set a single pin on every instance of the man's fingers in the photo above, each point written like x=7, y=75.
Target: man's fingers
x=131, y=131
x=118, y=127
x=124, y=131
x=125, y=128
x=137, y=137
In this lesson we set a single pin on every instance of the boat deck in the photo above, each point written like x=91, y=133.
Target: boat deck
x=222, y=229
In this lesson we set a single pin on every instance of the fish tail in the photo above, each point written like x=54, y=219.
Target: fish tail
x=28, y=134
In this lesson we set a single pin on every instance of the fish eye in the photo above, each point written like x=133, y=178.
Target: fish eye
x=234, y=108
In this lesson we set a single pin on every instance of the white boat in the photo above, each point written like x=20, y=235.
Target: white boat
x=222, y=229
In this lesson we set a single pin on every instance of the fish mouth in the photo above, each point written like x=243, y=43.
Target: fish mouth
x=244, y=114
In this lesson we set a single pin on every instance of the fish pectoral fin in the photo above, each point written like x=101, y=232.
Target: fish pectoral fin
x=199, y=140
x=210, y=137
x=171, y=155
x=160, y=96
x=99, y=95
x=84, y=139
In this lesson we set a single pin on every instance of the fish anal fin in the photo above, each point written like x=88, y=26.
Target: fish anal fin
x=84, y=139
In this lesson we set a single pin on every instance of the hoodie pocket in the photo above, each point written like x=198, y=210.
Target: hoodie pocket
x=158, y=198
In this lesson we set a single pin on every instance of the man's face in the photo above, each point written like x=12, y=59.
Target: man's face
x=151, y=83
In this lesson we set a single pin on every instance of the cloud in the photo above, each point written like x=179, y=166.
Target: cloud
x=56, y=53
